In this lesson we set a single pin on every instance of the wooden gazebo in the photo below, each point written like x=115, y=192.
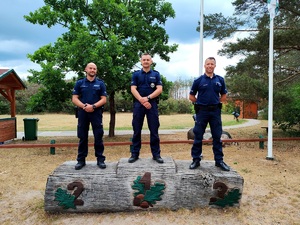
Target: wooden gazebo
x=9, y=83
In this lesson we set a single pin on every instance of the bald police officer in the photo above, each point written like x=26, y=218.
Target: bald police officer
x=89, y=95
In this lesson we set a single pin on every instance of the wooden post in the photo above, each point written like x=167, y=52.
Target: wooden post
x=52, y=149
x=261, y=143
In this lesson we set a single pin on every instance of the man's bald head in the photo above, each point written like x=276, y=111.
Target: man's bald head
x=91, y=69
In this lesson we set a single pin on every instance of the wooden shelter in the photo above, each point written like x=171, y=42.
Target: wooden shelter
x=247, y=109
x=9, y=83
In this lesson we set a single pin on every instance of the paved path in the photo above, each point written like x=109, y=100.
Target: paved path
x=250, y=122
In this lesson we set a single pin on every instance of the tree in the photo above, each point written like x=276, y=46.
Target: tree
x=288, y=117
x=181, y=88
x=54, y=91
x=166, y=88
x=23, y=97
x=249, y=78
x=110, y=33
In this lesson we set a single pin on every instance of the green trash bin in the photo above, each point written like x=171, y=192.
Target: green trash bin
x=30, y=128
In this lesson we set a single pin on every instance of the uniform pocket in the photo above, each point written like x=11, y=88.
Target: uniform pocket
x=217, y=86
x=152, y=82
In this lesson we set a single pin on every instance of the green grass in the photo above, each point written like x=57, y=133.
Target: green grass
x=65, y=122
x=233, y=122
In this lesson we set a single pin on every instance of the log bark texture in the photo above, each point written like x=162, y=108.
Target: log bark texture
x=170, y=185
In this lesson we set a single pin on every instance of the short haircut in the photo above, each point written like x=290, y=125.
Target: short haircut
x=211, y=58
x=146, y=53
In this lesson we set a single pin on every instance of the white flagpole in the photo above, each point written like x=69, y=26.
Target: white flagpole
x=270, y=112
x=201, y=38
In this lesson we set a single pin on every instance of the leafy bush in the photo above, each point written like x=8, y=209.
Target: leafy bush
x=286, y=113
x=184, y=106
x=164, y=108
x=175, y=106
x=4, y=109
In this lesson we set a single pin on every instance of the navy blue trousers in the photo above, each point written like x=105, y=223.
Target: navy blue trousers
x=139, y=113
x=213, y=118
x=84, y=121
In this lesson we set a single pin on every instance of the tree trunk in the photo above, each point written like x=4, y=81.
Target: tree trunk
x=112, y=109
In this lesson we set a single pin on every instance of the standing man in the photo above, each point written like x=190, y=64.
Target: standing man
x=89, y=95
x=146, y=86
x=211, y=90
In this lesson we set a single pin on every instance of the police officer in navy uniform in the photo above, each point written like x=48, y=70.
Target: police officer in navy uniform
x=89, y=95
x=146, y=86
x=211, y=92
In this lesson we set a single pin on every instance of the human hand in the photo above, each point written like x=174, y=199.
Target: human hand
x=147, y=105
x=142, y=100
x=88, y=108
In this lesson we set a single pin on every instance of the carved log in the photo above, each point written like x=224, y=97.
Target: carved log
x=124, y=186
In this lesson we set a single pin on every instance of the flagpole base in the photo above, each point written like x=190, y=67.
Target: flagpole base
x=269, y=158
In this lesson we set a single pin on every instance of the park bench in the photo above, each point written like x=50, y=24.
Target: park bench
x=265, y=127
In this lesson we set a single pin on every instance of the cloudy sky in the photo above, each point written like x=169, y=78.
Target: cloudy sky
x=18, y=37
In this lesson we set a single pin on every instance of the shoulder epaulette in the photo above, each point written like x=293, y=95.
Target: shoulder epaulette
x=219, y=76
x=155, y=71
x=200, y=77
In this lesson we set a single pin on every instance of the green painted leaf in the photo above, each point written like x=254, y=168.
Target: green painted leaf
x=230, y=199
x=154, y=193
x=138, y=186
x=65, y=199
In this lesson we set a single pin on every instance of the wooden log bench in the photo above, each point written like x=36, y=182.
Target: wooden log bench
x=145, y=184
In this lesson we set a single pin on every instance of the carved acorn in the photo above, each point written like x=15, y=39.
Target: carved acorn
x=138, y=199
x=144, y=205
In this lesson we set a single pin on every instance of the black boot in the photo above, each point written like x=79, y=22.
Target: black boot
x=195, y=164
x=79, y=165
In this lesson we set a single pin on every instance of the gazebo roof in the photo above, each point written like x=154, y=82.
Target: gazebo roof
x=9, y=79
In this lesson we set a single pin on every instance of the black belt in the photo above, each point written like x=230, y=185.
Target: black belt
x=207, y=107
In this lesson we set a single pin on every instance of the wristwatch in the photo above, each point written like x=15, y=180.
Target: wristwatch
x=148, y=97
x=94, y=107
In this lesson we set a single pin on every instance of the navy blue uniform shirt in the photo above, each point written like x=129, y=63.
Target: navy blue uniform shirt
x=146, y=82
x=89, y=91
x=208, y=89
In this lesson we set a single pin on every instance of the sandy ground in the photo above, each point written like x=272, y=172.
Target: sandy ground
x=271, y=192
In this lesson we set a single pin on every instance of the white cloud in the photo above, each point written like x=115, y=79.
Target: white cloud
x=185, y=62
x=20, y=38
x=20, y=67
